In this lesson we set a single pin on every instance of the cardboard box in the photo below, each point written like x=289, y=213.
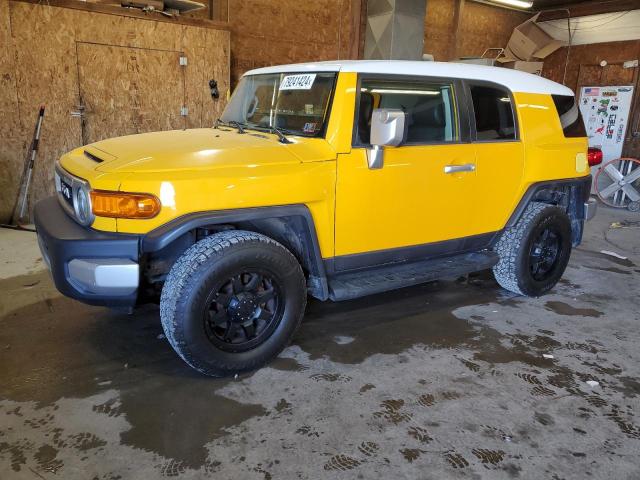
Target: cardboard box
x=529, y=67
x=529, y=42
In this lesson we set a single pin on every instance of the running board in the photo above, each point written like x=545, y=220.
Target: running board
x=347, y=286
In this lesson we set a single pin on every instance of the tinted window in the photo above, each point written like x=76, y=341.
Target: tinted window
x=429, y=107
x=570, y=117
x=493, y=113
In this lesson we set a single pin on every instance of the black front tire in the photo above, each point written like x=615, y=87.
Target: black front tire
x=201, y=271
x=521, y=269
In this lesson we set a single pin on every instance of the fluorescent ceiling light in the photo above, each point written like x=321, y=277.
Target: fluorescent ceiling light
x=405, y=92
x=514, y=3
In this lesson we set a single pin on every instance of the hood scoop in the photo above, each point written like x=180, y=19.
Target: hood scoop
x=93, y=157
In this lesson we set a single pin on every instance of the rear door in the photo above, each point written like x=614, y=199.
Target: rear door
x=499, y=154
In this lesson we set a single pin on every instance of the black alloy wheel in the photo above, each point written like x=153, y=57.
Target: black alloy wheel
x=243, y=311
x=545, y=251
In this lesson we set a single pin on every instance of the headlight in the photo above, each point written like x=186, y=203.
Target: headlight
x=83, y=206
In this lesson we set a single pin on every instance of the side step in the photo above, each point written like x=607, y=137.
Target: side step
x=351, y=285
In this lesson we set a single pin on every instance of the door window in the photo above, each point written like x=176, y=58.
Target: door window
x=493, y=113
x=429, y=107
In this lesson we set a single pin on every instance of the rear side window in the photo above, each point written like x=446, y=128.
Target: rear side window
x=430, y=109
x=570, y=117
x=493, y=113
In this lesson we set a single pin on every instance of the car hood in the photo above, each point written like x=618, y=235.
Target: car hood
x=202, y=149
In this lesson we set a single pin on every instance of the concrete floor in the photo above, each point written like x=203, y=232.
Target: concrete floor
x=445, y=380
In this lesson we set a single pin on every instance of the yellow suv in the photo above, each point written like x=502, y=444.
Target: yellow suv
x=334, y=179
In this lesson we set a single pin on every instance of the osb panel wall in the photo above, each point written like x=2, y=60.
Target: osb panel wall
x=11, y=146
x=271, y=32
x=586, y=59
x=40, y=67
x=482, y=26
x=144, y=86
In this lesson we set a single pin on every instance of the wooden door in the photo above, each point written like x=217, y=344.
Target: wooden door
x=125, y=90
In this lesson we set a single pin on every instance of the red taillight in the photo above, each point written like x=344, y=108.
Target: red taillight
x=594, y=156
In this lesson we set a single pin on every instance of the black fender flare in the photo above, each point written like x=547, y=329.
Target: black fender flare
x=291, y=225
x=577, y=192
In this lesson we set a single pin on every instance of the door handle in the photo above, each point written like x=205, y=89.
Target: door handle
x=469, y=167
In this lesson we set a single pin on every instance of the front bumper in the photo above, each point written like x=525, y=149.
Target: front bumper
x=98, y=268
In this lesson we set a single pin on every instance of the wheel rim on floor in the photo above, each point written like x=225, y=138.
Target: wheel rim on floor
x=545, y=253
x=243, y=311
x=617, y=183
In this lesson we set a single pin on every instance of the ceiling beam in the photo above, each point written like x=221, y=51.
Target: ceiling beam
x=583, y=9
x=358, y=9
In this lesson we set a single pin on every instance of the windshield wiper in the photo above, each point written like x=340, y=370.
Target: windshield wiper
x=275, y=130
x=238, y=125
x=281, y=136
x=232, y=123
x=242, y=126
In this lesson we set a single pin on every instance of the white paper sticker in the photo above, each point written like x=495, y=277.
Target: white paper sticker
x=302, y=81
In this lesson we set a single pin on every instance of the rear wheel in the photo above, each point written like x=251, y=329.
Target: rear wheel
x=535, y=252
x=232, y=302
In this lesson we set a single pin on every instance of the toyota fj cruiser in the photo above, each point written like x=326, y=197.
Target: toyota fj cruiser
x=333, y=179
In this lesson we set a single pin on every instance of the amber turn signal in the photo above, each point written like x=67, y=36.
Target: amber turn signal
x=124, y=205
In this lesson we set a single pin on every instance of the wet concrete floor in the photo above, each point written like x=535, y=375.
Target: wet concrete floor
x=452, y=379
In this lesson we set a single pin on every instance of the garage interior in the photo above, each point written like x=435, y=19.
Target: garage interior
x=456, y=378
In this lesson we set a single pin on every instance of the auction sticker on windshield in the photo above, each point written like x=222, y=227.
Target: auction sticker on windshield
x=298, y=82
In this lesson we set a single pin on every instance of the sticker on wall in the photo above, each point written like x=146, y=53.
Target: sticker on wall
x=591, y=92
x=620, y=133
x=611, y=126
x=303, y=81
x=604, y=103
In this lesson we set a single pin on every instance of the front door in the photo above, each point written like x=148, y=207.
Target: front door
x=416, y=205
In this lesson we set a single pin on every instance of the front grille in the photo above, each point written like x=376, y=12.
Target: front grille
x=65, y=181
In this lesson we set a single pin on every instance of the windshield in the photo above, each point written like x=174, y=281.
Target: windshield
x=295, y=103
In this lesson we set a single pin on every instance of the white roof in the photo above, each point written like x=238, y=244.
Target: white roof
x=514, y=80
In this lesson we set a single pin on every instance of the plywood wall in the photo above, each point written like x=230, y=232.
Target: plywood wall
x=270, y=32
x=11, y=141
x=482, y=26
x=39, y=65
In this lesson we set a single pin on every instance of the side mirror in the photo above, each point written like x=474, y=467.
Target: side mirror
x=388, y=128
